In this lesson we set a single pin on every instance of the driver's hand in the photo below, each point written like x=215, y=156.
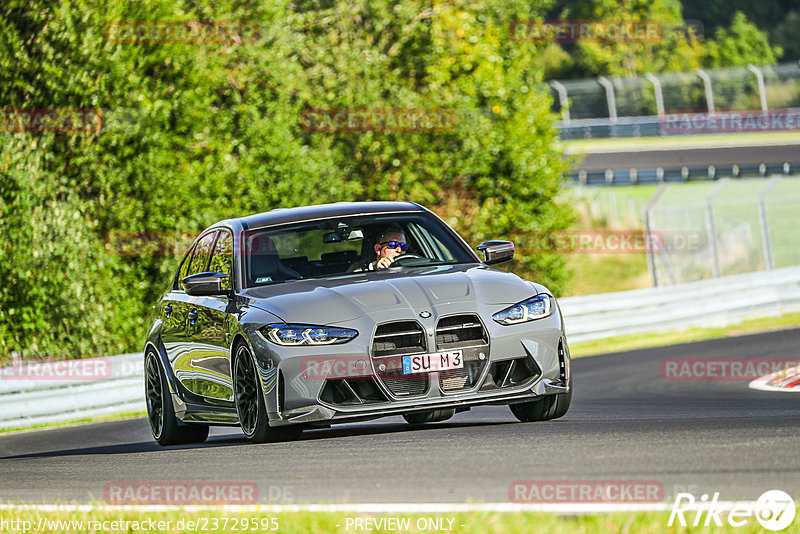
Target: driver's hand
x=384, y=263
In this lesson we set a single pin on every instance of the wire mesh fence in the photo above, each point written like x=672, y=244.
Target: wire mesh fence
x=722, y=228
x=593, y=107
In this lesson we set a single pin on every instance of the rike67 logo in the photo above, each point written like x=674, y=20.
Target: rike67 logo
x=774, y=510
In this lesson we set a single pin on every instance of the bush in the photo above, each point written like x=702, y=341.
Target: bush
x=193, y=134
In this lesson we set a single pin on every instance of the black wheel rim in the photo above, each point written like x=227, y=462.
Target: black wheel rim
x=155, y=398
x=246, y=391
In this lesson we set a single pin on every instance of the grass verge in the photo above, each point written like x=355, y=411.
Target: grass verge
x=110, y=417
x=643, y=341
x=604, y=273
x=321, y=522
x=578, y=146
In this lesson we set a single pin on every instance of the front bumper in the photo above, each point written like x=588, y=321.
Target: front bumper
x=324, y=414
x=292, y=398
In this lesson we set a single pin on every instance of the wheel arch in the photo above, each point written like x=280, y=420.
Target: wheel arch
x=161, y=352
x=271, y=392
x=178, y=403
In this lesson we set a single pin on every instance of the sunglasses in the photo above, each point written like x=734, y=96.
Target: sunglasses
x=395, y=244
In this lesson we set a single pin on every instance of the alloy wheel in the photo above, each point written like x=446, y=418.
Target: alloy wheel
x=154, y=395
x=246, y=391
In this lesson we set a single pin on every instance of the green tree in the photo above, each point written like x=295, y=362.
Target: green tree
x=195, y=133
x=740, y=44
x=673, y=48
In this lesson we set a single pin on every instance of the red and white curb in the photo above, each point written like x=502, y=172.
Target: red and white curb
x=786, y=380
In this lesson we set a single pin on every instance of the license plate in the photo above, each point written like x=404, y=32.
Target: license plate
x=438, y=361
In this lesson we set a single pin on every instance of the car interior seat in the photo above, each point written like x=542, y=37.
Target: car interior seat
x=265, y=265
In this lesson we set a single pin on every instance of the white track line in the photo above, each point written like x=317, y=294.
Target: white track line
x=388, y=508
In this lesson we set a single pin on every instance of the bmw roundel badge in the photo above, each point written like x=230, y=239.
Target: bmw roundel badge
x=424, y=314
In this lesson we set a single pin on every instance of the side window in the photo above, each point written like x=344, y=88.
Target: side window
x=201, y=253
x=183, y=269
x=222, y=259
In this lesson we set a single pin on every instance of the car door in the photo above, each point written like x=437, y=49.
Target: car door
x=185, y=309
x=173, y=310
x=206, y=330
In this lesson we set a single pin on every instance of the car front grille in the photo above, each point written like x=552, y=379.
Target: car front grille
x=407, y=386
x=391, y=342
x=464, y=332
x=405, y=337
x=460, y=331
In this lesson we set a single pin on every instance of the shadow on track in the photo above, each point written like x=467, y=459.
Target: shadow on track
x=312, y=434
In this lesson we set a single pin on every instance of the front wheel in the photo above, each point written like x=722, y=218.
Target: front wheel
x=160, y=412
x=250, y=405
x=544, y=408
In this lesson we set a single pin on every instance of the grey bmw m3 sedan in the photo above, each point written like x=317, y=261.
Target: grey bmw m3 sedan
x=306, y=317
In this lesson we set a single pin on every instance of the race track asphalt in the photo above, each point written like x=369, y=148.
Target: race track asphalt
x=691, y=157
x=627, y=423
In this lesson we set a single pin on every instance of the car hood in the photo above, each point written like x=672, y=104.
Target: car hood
x=344, y=298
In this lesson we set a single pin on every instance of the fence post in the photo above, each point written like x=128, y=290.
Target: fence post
x=612, y=103
x=762, y=215
x=707, y=85
x=562, y=98
x=711, y=227
x=761, y=90
x=651, y=259
x=658, y=93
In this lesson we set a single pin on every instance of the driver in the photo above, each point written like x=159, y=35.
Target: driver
x=391, y=243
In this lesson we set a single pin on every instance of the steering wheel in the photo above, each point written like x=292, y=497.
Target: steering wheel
x=399, y=261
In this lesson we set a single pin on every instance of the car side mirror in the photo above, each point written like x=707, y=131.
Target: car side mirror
x=496, y=251
x=204, y=284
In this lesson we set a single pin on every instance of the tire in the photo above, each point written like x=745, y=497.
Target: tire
x=166, y=428
x=562, y=402
x=544, y=408
x=432, y=416
x=250, y=405
x=535, y=410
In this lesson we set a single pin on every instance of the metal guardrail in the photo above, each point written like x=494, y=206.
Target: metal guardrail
x=46, y=401
x=683, y=174
x=705, y=303
x=605, y=128
x=713, y=302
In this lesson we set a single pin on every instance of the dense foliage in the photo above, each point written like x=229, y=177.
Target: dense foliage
x=194, y=133
x=188, y=133
x=717, y=41
x=779, y=20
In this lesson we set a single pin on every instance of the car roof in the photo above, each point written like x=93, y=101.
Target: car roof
x=321, y=211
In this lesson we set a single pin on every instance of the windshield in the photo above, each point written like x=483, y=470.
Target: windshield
x=346, y=245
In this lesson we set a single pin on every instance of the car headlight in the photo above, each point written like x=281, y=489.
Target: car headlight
x=528, y=310
x=302, y=334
